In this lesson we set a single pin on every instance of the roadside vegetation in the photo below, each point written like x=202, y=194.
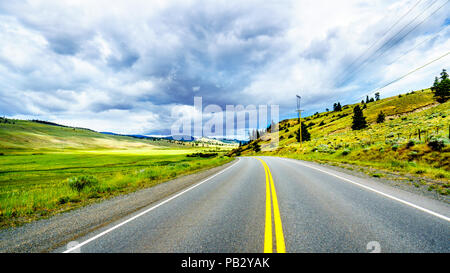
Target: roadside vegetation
x=47, y=169
x=407, y=135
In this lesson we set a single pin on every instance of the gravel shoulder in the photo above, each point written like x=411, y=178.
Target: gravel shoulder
x=48, y=234
x=408, y=183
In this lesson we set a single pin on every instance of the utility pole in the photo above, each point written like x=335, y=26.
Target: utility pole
x=299, y=118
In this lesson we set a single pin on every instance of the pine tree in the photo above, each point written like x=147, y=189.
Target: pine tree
x=359, y=121
x=306, y=136
x=337, y=107
x=444, y=75
x=381, y=117
x=377, y=96
x=256, y=147
x=367, y=99
x=441, y=88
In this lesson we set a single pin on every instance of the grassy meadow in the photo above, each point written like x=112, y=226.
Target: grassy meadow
x=42, y=167
x=394, y=145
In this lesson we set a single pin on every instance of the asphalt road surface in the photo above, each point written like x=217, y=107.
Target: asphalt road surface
x=269, y=204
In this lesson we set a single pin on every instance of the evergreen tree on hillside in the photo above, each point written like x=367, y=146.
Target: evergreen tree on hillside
x=381, y=117
x=436, y=82
x=337, y=107
x=444, y=75
x=256, y=147
x=377, y=96
x=441, y=88
x=306, y=136
x=367, y=99
x=359, y=121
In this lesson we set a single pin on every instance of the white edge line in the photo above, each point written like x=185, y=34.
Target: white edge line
x=146, y=211
x=374, y=190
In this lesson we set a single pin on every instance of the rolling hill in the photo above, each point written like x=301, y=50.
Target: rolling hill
x=40, y=162
x=23, y=136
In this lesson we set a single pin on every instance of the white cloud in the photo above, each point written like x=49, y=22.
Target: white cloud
x=124, y=65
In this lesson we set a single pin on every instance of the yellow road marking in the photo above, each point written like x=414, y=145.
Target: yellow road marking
x=270, y=187
x=268, y=248
x=281, y=247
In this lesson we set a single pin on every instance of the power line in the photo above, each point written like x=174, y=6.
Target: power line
x=367, y=50
x=407, y=74
x=416, y=26
x=416, y=46
x=398, y=40
x=362, y=64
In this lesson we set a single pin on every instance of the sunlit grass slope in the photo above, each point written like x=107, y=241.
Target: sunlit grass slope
x=27, y=136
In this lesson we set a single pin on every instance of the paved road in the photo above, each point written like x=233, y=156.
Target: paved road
x=269, y=204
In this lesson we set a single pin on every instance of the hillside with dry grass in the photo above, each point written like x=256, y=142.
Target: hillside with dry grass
x=413, y=140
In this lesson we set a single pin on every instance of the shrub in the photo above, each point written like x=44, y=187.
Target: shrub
x=395, y=147
x=79, y=183
x=203, y=155
x=437, y=144
x=410, y=143
x=345, y=152
x=323, y=148
x=63, y=200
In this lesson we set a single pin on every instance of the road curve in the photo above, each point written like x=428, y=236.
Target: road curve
x=270, y=204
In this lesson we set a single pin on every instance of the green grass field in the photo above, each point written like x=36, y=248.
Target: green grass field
x=37, y=161
x=394, y=145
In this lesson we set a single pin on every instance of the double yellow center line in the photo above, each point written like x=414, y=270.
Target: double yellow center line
x=270, y=188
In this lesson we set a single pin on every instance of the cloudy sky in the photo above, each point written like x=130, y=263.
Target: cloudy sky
x=122, y=66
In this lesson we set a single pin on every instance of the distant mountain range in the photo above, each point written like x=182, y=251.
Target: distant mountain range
x=182, y=138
